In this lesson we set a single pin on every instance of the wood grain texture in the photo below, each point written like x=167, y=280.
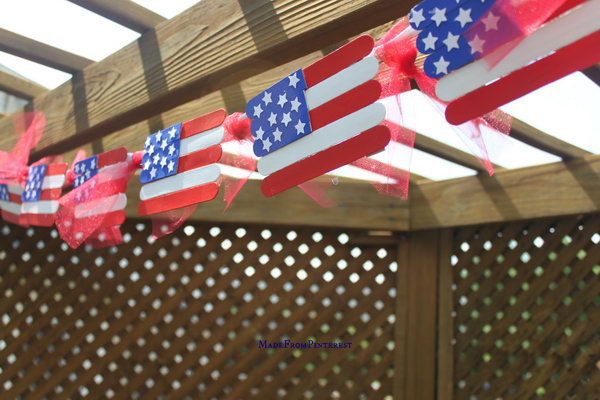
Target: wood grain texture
x=41, y=53
x=19, y=87
x=124, y=12
x=543, y=141
x=209, y=47
x=358, y=206
x=556, y=189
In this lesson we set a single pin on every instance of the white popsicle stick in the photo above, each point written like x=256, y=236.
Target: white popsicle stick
x=53, y=182
x=570, y=27
x=201, y=141
x=39, y=207
x=10, y=207
x=98, y=206
x=348, y=78
x=14, y=189
x=184, y=180
x=323, y=138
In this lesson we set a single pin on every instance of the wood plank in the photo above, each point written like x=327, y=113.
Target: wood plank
x=562, y=188
x=593, y=73
x=20, y=87
x=202, y=50
x=445, y=320
x=124, y=12
x=41, y=53
x=536, y=138
x=360, y=200
x=449, y=153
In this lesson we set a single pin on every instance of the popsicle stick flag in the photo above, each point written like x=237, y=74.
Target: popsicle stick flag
x=318, y=118
x=179, y=165
x=42, y=192
x=10, y=203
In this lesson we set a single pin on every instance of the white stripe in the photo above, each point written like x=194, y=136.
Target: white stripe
x=348, y=78
x=323, y=138
x=12, y=208
x=574, y=25
x=99, y=206
x=201, y=141
x=184, y=180
x=14, y=189
x=53, y=181
x=39, y=207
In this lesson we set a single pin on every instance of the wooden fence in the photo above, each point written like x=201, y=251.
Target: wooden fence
x=500, y=311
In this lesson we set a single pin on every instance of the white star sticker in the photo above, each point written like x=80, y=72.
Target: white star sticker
x=259, y=133
x=267, y=98
x=294, y=80
x=430, y=42
x=272, y=119
x=439, y=16
x=464, y=17
x=491, y=22
x=147, y=164
x=153, y=173
x=295, y=105
x=171, y=166
x=257, y=111
x=416, y=17
x=441, y=66
x=172, y=132
x=266, y=145
x=158, y=136
x=77, y=168
x=282, y=100
x=151, y=149
x=277, y=135
x=451, y=41
x=88, y=175
x=156, y=159
x=171, y=149
x=163, y=161
x=476, y=45
x=300, y=127
x=147, y=142
x=164, y=144
x=93, y=164
x=286, y=119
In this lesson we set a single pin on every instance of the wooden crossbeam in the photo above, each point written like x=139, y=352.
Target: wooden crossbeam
x=563, y=188
x=536, y=138
x=449, y=153
x=593, y=73
x=124, y=12
x=19, y=87
x=41, y=53
x=367, y=208
x=207, y=48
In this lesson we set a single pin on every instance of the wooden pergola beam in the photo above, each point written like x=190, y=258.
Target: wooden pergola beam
x=593, y=73
x=207, y=48
x=449, y=153
x=536, y=138
x=123, y=12
x=562, y=188
x=19, y=87
x=41, y=53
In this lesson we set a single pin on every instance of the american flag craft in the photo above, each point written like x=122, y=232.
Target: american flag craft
x=106, y=194
x=42, y=192
x=10, y=203
x=318, y=118
x=179, y=164
x=456, y=34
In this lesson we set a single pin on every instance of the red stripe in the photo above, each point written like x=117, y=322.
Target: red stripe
x=179, y=199
x=203, y=123
x=13, y=218
x=338, y=60
x=38, y=219
x=50, y=194
x=112, y=157
x=347, y=103
x=200, y=158
x=575, y=57
x=109, y=219
x=56, y=169
x=368, y=142
x=14, y=198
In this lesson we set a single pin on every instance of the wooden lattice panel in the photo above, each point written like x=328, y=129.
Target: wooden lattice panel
x=527, y=310
x=182, y=316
